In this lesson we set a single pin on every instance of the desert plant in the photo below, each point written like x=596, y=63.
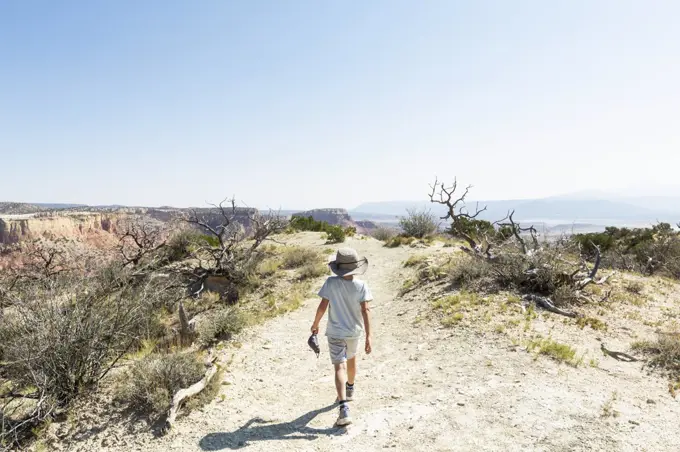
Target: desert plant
x=297, y=256
x=473, y=274
x=654, y=250
x=417, y=260
x=419, y=224
x=350, y=231
x=398, y=241
x=149, y=385
x=557, y=351
x=634, y=287
x=64, y=335
x=313, y=269
x=335, y=234
x=513, y=256
x=268, y=267
x=663, y=352
x=140, y=238
x=237, y=254
x=298, y=223
x=383, y=233
x=222, y=325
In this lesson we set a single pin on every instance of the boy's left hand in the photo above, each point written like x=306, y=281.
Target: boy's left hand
x=368, y=349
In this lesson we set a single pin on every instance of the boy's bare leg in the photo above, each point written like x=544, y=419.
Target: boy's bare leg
x=341, y=380
x=351, y=370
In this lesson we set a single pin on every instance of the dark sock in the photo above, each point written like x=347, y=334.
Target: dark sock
x=343, y=402
x=350, y=385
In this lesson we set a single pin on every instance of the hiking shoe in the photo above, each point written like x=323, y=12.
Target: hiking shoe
x=350, y=392
x=344, y=418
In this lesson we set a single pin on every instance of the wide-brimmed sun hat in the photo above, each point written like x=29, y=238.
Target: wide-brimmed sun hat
x=347, y=262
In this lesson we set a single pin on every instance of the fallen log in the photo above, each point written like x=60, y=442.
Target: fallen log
x=548, y=305
x=619, y=356
x=185, y=393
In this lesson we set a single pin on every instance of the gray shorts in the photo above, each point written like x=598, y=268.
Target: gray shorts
x=342, y=349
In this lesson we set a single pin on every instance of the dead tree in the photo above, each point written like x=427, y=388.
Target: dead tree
x=519, y=259
x=458, y=214
x=234, y=250
x=518, y=232
x=138, y=239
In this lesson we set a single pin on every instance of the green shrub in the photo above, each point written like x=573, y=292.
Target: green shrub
x=222, y=326
x=149, y=385
x=479, y=230
x=398, y=241
x=350, y=231
x=308, y=224
x=313, y=269
x=297, y=256
x=268, y=267
x=559, y=352
x=664, y=353
x=419, y=224
x=654, y=250
x=183, y=243
x=335, y=234
x=473, y=274
x=634, y=287
x=383, y=234
x=417, y=260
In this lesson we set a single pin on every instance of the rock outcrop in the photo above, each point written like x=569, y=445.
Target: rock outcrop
x=17, y=228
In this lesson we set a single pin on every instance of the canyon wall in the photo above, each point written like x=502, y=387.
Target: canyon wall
x=81, y=225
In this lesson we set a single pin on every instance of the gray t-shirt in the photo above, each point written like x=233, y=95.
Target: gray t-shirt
x=344, y=310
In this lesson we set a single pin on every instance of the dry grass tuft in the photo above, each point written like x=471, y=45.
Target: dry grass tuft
x=312, y=270
x=149, y=384
x=664, y=353
x=297, y=256
x=417, y=260
x=562, y=353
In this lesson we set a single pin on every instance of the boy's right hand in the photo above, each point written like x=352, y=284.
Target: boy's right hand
x=368, y=349
x=315, y=329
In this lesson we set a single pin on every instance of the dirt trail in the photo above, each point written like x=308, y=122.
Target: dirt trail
x=423, y=388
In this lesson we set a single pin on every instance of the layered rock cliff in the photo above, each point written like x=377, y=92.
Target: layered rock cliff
x=16, y=228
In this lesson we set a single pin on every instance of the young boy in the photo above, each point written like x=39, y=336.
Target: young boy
x=348, y=299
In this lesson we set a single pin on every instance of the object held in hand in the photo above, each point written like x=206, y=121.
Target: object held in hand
x=313, y=343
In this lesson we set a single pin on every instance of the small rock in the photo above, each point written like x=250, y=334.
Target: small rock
x=460, y=404
x=401, y=313
x=267, y=346
x=395, y=396
x=633, y=422
x=518, y=381
x=651, y=401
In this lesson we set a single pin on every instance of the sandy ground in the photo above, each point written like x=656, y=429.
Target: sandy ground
x=423, y=389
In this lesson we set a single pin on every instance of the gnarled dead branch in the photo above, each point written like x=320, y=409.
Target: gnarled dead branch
x=139, y=238
x=191, y=391
x=547, y=304
x=457, y=212
x=234, y=249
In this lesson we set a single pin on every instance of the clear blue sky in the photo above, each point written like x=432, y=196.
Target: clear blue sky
x=308, y=103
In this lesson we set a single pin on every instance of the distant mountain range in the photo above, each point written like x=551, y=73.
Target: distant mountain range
x=583, y=208
x=566, y=209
